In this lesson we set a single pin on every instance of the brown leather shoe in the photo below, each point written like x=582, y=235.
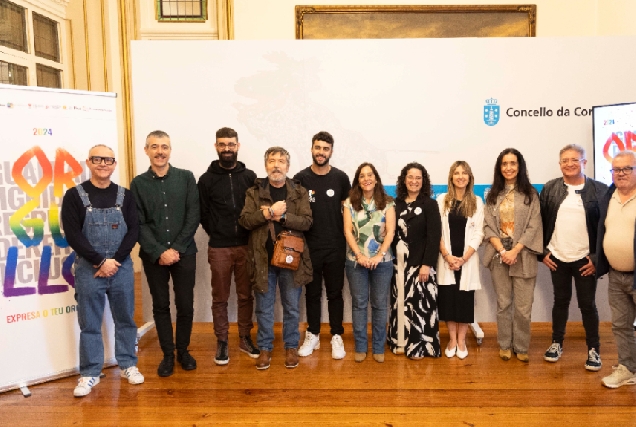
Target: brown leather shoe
x=263, y=359
x=291, y=358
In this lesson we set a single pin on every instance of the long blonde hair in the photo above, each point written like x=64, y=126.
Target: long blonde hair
x=468, y=205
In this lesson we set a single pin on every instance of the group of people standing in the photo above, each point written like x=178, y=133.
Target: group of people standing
x=414, y=259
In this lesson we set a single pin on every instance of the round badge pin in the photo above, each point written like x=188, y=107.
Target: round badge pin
x=289, y=259
x=330, y=192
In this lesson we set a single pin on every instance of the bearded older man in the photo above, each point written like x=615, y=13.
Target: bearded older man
x=285, y=204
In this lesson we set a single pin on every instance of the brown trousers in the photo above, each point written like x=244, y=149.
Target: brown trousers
x=224, y=261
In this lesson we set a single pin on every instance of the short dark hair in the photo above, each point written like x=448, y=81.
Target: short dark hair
x=322, y=136
x=227, y=133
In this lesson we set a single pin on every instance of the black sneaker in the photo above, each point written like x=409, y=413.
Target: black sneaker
x=166, y=367
x=247, y=346
x=593, y=360
x=222, y=357
x=553, y=353
x=187, y=361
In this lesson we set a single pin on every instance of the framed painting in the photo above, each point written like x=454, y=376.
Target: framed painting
x=388, y=22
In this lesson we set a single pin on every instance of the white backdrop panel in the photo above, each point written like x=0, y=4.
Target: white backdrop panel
x=385, y=101
x=45, y=138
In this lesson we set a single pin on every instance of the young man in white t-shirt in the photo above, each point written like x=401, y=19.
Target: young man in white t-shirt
x=570, y=214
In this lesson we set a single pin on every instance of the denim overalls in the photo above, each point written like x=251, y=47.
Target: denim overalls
x=105, y=230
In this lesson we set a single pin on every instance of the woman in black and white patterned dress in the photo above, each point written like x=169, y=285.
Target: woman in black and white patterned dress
x=413, y=322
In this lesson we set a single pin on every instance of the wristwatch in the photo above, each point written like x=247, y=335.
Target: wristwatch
x=283, y=218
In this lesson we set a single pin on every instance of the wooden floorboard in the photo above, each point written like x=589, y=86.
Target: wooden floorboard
x=481, y=390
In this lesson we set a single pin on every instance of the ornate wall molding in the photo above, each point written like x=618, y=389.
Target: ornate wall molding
x=56, y=7
x=225, y=19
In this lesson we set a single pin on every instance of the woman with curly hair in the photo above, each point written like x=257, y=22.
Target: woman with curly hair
x=413, y=323
x=369, y=225
x=458, y=263
x=514, y=232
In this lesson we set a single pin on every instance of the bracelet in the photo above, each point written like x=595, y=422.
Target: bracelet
x=445, y=255
x=101, y=263
x=271, y=212
x=502, y=250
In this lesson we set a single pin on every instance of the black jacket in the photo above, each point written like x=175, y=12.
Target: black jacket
x=222, y=197
x=424, y=225
x=554, y=193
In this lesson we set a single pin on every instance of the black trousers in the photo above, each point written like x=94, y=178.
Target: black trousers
x=585, y=294
x=183, y=277
x=328, y=264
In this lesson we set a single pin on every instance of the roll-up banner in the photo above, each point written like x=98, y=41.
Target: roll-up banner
x=45, y=138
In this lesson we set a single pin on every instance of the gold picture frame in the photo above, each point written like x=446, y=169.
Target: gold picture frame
x=417, y=21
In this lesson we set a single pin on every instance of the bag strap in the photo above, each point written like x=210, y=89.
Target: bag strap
x=272, y=232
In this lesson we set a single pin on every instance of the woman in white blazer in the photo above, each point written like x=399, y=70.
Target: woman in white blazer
x=458, y=264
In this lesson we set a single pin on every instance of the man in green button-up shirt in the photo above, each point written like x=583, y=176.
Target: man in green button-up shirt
x=168, y=205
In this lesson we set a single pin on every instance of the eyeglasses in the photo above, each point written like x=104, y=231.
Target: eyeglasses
x=573, y=161
x=223, y=146
x=622, y=171
x=98, y=159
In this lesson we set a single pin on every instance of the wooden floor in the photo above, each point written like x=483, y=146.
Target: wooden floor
x=481, y=390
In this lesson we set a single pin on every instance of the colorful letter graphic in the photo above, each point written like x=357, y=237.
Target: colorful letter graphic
x=20, y=221
x=620, y=145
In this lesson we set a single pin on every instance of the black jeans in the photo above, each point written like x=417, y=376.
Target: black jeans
x=183, y=277
x=327, y=263
x=585, y=294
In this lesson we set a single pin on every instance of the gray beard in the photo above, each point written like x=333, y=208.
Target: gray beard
x=272, y=180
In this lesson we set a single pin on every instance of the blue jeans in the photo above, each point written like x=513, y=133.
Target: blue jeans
x=290, y=299
x=90, y=293
x=105, y=229
x=373, y=285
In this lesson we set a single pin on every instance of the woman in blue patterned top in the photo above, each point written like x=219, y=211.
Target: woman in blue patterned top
x=369, y=225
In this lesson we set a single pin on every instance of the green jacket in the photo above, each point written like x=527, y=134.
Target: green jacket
x=298, y=217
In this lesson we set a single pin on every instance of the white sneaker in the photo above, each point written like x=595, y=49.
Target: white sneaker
x=85, y=385
x=337, y=347
x=312, y=342
x=620, y=377
x=133, y=375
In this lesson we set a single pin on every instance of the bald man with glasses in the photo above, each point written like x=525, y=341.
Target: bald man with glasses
x=101, y=225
